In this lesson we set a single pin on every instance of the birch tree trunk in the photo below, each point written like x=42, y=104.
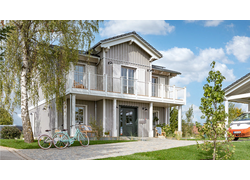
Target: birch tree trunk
x=27, y=130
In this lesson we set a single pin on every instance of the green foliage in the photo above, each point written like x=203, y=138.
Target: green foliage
x=214, y=112
x=166, y=128
x=233, y=112
x=95, y=126
x=173, y=119
x=48, y=47
x=10, y=132
x=5, y=117
x=187, y=125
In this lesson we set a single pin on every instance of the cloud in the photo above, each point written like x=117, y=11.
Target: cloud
x=230, y=25
x=194, y=68
x=154, y=27
x=210, y=23
x=239, y=47
x=190, y=21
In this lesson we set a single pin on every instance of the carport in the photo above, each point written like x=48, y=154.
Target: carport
x=238, y=91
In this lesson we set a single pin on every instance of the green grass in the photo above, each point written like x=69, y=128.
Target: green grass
x=20, y=144
x=186, y=153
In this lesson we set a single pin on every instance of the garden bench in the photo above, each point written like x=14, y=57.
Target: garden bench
x=87, y=129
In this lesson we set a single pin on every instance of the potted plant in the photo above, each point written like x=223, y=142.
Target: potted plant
x=106, y=133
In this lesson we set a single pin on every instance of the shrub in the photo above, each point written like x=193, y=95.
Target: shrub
x=93, y=123
x=5, y=117
x=10, y=132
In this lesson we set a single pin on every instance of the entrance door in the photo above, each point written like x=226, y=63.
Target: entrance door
x=128, y=121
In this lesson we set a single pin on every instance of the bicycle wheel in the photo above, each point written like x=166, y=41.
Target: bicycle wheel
x=83, y=139
x=44, y=141
x=60, y=140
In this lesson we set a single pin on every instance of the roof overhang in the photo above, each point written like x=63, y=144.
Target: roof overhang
x=239, y=91
x=160, y=70
x=131, y=38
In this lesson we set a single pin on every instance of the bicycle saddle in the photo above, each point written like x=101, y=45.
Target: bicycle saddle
x=47, y=130
x=64, y=129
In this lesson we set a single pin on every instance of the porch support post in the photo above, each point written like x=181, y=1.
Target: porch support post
x=114, y=133
x=104, y=115
x=73, y=128
x=167, y=114
x=249, y=107
x=64, y=115
x=150, y=120
x=226, y=111
x=179, y=117
x=56, y=117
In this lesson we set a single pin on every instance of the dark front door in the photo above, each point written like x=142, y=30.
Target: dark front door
x=128, y=121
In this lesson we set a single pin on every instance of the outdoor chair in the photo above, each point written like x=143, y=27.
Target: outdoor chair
x=159, y=132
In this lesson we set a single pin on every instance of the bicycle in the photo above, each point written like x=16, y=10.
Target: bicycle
x=45, y=140
x=61, y=139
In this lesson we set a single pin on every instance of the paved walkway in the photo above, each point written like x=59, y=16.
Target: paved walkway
x=102, y=150
x=11, y=154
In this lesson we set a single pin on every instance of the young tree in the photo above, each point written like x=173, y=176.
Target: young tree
x=214, y=111
x=38, y=55
x=173, y=119
x=189, y=120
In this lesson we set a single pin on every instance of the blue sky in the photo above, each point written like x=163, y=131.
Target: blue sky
x=189, y=47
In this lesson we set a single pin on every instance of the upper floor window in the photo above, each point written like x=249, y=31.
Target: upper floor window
x=154, y=86
x=128, y=80
x=79, y=77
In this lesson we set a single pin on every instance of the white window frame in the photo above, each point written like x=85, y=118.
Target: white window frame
x=135, y=74
x=86, y=112
x=157, y=115
x=85, y=70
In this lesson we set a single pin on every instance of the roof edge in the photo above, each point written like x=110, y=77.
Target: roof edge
x=127, y=34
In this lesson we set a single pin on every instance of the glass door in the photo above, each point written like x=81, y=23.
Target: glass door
x=80, y=114
x=80, y=77
x=128, y=80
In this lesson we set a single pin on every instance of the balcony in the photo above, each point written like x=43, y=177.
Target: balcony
x=121, y=88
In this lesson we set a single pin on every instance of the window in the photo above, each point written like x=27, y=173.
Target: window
x=154, y=86
x=128, y=80
x=155, y=118
x=79, y=76
x=80, y=114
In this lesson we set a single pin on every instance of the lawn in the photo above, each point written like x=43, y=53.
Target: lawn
x=186, y=153
x=20, y=144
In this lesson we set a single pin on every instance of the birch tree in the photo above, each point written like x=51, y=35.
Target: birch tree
x=38, y=54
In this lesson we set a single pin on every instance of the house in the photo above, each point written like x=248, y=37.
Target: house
x=238, y=92
x=117, y=85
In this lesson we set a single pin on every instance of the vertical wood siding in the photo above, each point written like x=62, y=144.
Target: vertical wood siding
x=128, y=53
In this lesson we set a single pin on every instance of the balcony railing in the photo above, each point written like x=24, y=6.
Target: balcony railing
x=121, y=85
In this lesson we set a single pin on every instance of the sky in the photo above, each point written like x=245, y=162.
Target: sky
x=189, y=47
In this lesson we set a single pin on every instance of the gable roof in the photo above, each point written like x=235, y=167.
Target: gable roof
x=124, y=35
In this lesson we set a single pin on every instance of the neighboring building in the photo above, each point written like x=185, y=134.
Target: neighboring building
x=238, y=92
x=117, y=85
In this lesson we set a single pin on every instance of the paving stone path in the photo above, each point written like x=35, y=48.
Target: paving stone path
x=102, y=150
